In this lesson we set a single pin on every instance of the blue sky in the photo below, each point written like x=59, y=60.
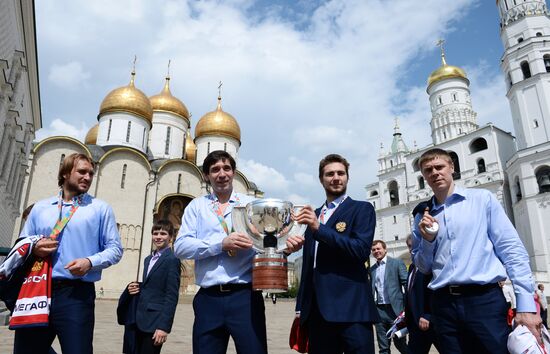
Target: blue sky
x=303, y=78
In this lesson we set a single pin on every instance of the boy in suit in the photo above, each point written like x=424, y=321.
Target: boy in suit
x=334, y=301
x=158, y=292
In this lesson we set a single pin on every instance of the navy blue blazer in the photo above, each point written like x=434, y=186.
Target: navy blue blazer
x=340, y=279
x=417, y=297
x=158, y=294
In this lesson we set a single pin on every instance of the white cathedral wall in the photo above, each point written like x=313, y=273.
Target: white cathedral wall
x=190, y=181
x=139, y=130
x=128, y=204
x=157, y=136
x=217, y=142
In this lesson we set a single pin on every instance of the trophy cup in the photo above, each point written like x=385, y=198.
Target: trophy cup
x=268, y=223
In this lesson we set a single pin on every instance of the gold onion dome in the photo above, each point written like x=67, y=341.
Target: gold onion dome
x=218, y=122
x=91, y=137
x=446, y=71
x=190, y=148
x=164, y=101
x=128, y=99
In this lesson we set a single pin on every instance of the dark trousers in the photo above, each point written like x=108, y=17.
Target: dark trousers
x=71, y=320
x=237, y=313
x=144, y=343
x=420, y=341
x=471, y=323
x=544, y=316
x=387, y=316
x=338, y=337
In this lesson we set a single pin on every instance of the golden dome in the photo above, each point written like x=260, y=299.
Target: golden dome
x=127, y=99
x=91, y=137
x=218, y=122
x=164, y=101
x=190, y=148
x=446, y=71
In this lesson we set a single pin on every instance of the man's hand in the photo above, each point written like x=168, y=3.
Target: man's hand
x=531, y=321
x=426, y=221
x=307, y=216
x=423, y=324
x=79, y=267
x=294, y=243
x=236, y=241
x=44, y=247
x=133, y=288
x=159, y=337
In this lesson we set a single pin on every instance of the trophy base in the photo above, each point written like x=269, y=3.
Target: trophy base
x=270, y=272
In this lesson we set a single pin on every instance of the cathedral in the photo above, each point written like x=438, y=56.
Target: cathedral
x=516, y=169
x=148, y=166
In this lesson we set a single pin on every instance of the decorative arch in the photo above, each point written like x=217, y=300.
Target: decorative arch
x=415, y=165
x=456, y=163
x=517, y=189
x=182, y=161
x=393, y=191
x=119, y=149
x=373, y=193
x=542, y=174
x=481, y=166
x=477, y=145
x=171, y=207
x=62, y=138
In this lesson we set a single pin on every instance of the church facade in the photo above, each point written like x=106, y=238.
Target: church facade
x=146, y=169
x=516, y=169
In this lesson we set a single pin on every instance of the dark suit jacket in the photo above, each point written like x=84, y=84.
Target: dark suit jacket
x=340, y=280
x=395, y=280
x=417, y=297
x=159, y=292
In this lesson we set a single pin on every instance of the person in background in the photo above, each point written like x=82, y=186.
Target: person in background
x=543, y=304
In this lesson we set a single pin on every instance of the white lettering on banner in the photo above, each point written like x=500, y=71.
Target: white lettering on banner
x=38, y=305
x=35, y=278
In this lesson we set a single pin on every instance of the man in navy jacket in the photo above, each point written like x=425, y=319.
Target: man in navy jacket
x=335, y=301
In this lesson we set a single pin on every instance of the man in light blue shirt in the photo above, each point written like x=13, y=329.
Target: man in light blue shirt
x=88, y=243
x=225, y=305
x=475, y=247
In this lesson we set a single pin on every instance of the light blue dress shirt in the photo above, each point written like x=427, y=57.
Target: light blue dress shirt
x=200, y=238
x=476, y=244
x=91, y=233
x=382, y=297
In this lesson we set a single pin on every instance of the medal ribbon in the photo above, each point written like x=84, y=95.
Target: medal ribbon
x=62, y=221
x=217, y=209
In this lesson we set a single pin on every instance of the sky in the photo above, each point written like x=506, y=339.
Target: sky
x=302, y=78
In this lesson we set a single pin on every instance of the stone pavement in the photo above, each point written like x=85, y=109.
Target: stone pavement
x=108, y=334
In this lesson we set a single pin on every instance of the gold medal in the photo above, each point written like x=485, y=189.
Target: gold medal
x=341, y=226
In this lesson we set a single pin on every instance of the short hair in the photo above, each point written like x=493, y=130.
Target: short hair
x=376, y=242
x=215, y=156
x=433, y=154
x=68, y=163
x=538, y=286
x=331, y=158
x=164, y=225
x=409, y=238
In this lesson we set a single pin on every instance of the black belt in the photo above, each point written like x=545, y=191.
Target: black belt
x=64, y=283
x=227, y=288
x=467, y=289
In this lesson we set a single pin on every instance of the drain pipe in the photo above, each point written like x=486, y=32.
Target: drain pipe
x=149, y=184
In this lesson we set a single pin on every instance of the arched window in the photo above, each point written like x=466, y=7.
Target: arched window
x=517, y=190
x=395, y=219
x=539, y=34
x=61, y=159
x=167, y=143
x=520, y=39
x=415, y=165
x=179, y=183
x=109, y=130
x=393, y=190
x=225, y=147
x=525, y=69
x=481, y=166
x=444, y=135
x=477, y=145
x=128, y=130
x=456, y=163
x=373, y=193
x=391, y=163
x=546, y=59
x=421, y=182
x=208, y=148
x=123, y=178
x=543, y=179
x=439, y=100
x=535, y=123
x=454, y=97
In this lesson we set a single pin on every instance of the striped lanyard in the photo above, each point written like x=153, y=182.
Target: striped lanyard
x=323, y=213
x=217, y=209
x=63, y=220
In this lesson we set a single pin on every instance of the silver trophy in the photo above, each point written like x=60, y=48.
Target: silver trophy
x=268, y=223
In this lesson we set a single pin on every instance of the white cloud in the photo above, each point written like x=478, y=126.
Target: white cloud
x=61, y=127
x=68, y=75
x=267, y=177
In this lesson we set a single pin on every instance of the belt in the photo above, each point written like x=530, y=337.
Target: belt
x=467, y=289
x=227, y=288
x=64, y=283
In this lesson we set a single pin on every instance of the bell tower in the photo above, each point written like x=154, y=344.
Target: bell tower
x=525, y=34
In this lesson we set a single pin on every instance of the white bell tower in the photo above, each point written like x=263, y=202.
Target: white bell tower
x=525, y=34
